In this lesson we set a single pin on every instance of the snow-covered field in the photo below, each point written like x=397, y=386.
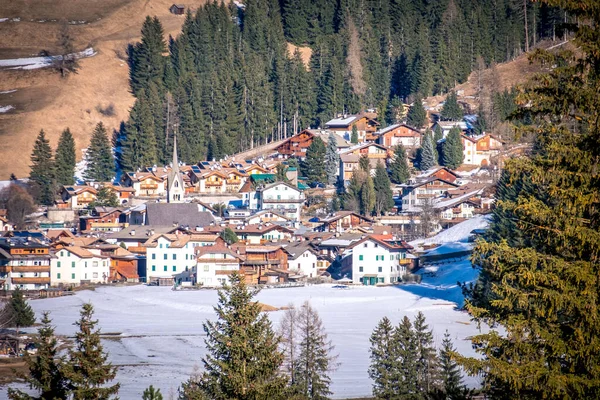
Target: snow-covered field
x=156, y=334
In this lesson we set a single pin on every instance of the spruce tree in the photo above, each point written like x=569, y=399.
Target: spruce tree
x=542, y=288
x=426, y=361
x=354, y=135
x=384, y=197
x=314, y=168
x=452, y=387
x=100, y=162
x=41, y=175
x=364, y=163
x=65, y=159
x=150, y=393
x=86, y=371
x=315, y=359
x=106, y=197
x=451, y=111
x=427, y=153
x=384, y=358
x=332, y=159
x=399, y=172
x=146, y=58
x=452, y=149
x=367, y=196
x=229, y=236
x=45, y=374
x=405, y=372
x=21, y=313
x=395, y=111
x=243, y=360
x=417, y=117
x=438, y=135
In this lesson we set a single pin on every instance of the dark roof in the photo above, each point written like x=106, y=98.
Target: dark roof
x=177, y=214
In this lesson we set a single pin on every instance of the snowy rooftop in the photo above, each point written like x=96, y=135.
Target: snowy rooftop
x=341, y=121
x=458, y=233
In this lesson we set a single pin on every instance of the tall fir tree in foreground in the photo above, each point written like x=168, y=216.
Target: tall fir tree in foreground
x=405, y=372
x=86, y=370
x=426, y=360
x=451, y=111
x=41, y=175
x=417, y=117
x=100, y=162
x=21, y=314
x=452, y=387
x=384, y=200
x=452, y=149
x=45, y=368
x=427, y=153
x=243, y=360
x=384, y=350
x=399, y=172
x=65, y=159
x=314, y=168
x=539, y=269
x=332, y=159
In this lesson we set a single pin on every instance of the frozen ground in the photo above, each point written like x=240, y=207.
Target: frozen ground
x=156, y=337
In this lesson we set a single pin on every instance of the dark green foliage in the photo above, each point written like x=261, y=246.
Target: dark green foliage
x=151, y=393
x=243, y=360
x=332, y=159
x=20, y=313
x=360, y=193
x=146, y=60
x=452, y=387
x=229, y=236
x=539, y=265
x=405, y=372
x=86, y=371
x=437, y=136
x=383, y=360
x=106, y=197
x=416, y=116
x=364, y=163
x=314, y=166
x=452, y=149
x=65, y=159
x=395, y=111
x=383, y=192
x=452, y=110
x=100, y=162
x=354, y=135
x=281, y=173
x=427, y=158
x=399, y=172
x=41, y=175
x=426, y=360
x=45, y=368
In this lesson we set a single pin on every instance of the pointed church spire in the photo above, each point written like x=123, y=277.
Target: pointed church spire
x=175, y=160
x=175, y=188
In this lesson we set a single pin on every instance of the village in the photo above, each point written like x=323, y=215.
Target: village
x=190, y=226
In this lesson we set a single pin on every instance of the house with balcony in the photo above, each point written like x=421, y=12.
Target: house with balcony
x=342, y=221
x=349, y=158
x=416, y=194
x=214, y=264
x=262, y=233
x=263, y=264
x=146, y=184
x=103, y=219
x=74, y=265
x=281, y=197
x=24, y=263
x=77, y=197
x=377, y=259
x=343, y=125
x=396, y=134
x=479, y=150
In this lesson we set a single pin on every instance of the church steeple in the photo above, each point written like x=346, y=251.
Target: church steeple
x=175, y=189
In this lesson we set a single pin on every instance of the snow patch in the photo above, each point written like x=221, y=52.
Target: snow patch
x=6, y=109
x=3, y=19
x=458, y=233
x=42, y=62
x=8, y=91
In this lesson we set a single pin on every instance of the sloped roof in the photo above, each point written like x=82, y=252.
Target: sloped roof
x=296, y=249
x=177, y=213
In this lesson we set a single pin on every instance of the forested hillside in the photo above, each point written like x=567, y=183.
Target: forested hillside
x=228, y=82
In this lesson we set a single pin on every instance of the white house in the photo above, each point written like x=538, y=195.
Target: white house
x=262, y=233
x=75, y=265
x=302, y=258
x=479, y=150
x=214, y=264
x=283, y=198
x=377, y=259
x=78, y=197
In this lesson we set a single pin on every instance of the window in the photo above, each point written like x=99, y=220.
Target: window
x=174, y=256
x=72, y=276
x=379, y=269
x=360, y=257
x=365, y=245
x=154, y=268
x=72, y=264
x=391, y=257
x=165, y=268
x=165, y=256
x=160, y=245
x=62, y=253
x=58, y=276
x=174, y=268
x=58, y=265
x=360, y=269
x=154, y=256
x=380, y=280
x=94, y=275
x=206, y=268
x=95, y=264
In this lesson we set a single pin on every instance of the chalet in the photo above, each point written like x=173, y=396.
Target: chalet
x=263, y=264
x=444, y=173
x=124, y=194
x=177, y=9
x=78, y=197
x=5, y=225
x=24, y=263
x=282, y=197
x=416, y=194
x=75, y=265
x=344, y=125
x=446, y=126
x=145, y=184
x=55, y=235
x=397, y=134
x=297, y=145
x=214, y=264
x=303, y=259
x=123, y=264
x=349, y=158
x=262, y=233
x=479, y=150
x=265, y=216
x=103, y=219
x=342, y=221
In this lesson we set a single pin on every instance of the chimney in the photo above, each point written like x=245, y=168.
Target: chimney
x=132, y=233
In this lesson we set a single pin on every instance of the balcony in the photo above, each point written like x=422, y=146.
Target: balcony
x=151, y=186
x=31, y=268
x=233, y=181
x=213, y=183
x=35, y=281
x=298, y=201
x=87, y=199
x=404, y=261
x=107, y=224
x=137, y=249
x=262, y=262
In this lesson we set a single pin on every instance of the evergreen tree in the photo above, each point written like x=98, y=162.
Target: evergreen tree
x=243, y=360
x=399, y=172
x=452, y=149
x=41, y=175
x=332, y=159
x=354, y=135
x=395, y=111
x=65, y=159
x=364, y=163
x=314, y=168
x=450, y=375
x=315, y=360
x=106, y=197
x=384, y=198
x=417, y=117
x=20, y=313
x=45, y=368
x=281, y=173
x=539, y=272
x=451, y=111
x=86, y=371
x=150, y=393
x=384, y=358
x=229, y=236
x=427, y=153
x=100, y=162
x=367, y=196
x=405, y=372
x=146, y=58
x=426, y=361
x=437, y=136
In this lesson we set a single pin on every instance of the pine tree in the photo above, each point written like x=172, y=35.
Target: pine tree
x=542, y=286
x=367, y=196
x=364, y=163
x=65, y=159
x=399, y=172
x=332, y=159
x=417, y=117
x=42, y=170
x=452, y=387
x=243, y=360
x=384, y=356
x=452, y=149
x=384, y=197
x=106, y=197
x=427, y=153
x=395, y=111
x=315, y=360
x=146, y=58
x=21, y=313
x=405, y=373
x=100, y=162
x=438, y=135
x=150, y=393
x=45, y=368
x=451, y=111
x=229, y=236
x=354, y=135
x=314, y=169
x=86, y=371
x=426, y=361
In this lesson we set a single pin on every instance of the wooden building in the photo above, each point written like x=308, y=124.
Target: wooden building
x=177, y=9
